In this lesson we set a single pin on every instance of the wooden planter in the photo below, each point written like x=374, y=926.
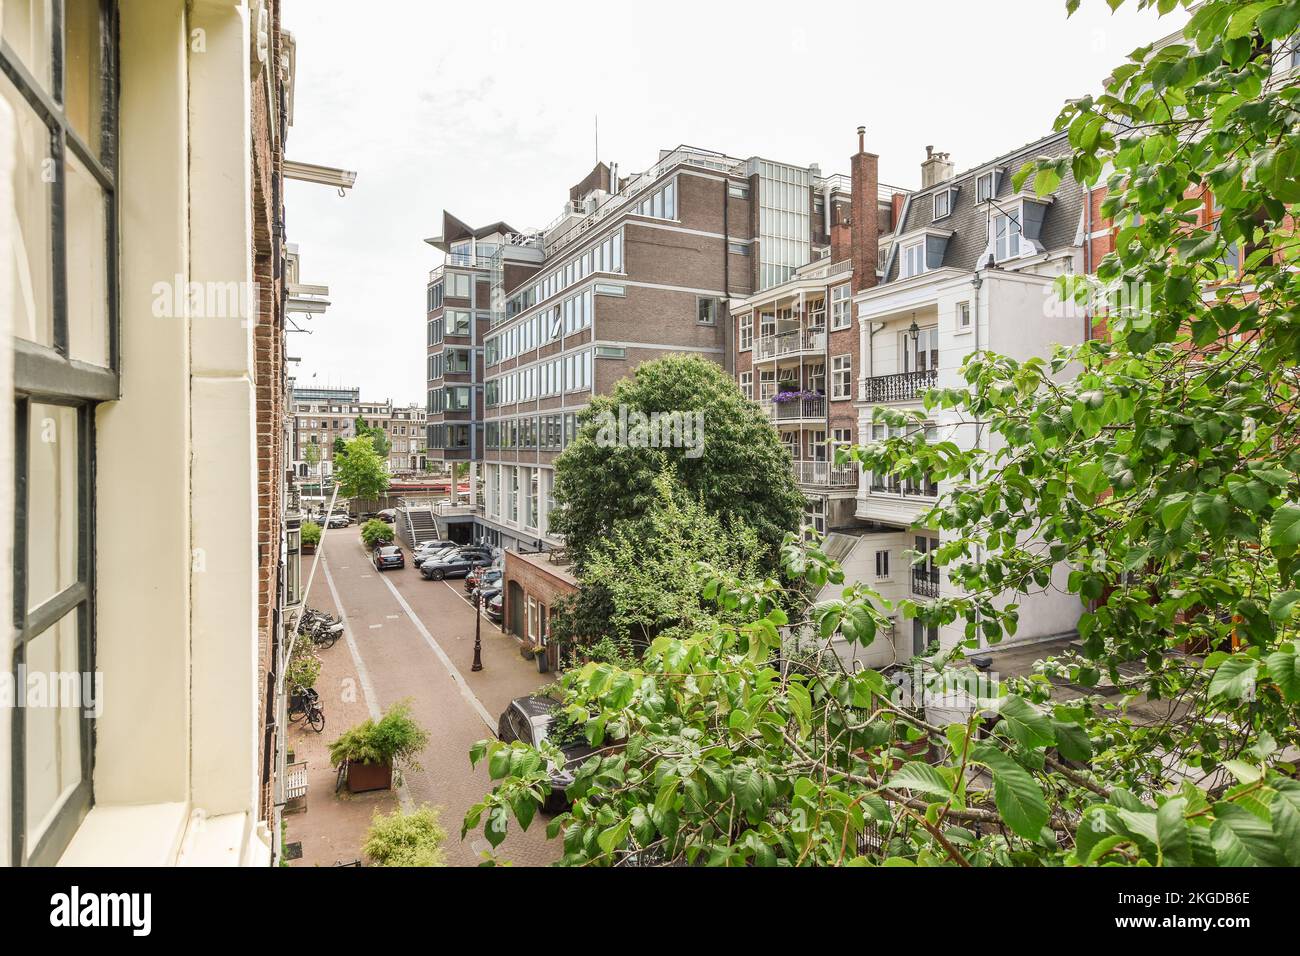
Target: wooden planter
x=363, y=777
x=309, y=549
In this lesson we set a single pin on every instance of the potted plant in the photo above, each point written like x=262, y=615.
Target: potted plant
x=375, y=532
x=310, y=537
x=372, y=749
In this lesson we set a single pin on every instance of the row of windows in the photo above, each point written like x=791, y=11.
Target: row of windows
x=565, y=318
x=605, y=256
x=533, y=432
x=566, y=373
x=451, y=398
x=454, y=360
x=814, y=379
x=449, y=436
x=517, y=494
x=661, y=204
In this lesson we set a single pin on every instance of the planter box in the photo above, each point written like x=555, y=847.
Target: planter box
x=308, y=549
x=363, y=777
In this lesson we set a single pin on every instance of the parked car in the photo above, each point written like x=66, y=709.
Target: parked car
x=388, y=514
x=455, y=564
x=338, y=521
x=495, y=608
x=388, y=556
x=427, y=548
x=531, y=720
x=480, y=577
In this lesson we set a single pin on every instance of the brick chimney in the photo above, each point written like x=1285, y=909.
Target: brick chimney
x=864, y=171
x=841, y=237
x=936, y=168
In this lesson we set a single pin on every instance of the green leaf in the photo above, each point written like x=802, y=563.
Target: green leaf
x=1018, y=796
x=1072, y=741
x=1284, y=668
x=1285, y=529
x=1248, y=840
x=1235, y=678
x=1172, y=841
x=1280, y=608
x=1174, y=513
x=921, y=778
x=1030, y=728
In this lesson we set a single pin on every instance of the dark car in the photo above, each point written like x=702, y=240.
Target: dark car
x=532, y=720
x=455, y=564
x=388, y=514
x=389, y=556
x=495, y=610
x=338, y=521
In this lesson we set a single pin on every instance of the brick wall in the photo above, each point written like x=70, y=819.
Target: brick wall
x=269, y=384
x=532, y=576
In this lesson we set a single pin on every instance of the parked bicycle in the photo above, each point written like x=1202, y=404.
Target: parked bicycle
x=323, y=629
x=306, y=703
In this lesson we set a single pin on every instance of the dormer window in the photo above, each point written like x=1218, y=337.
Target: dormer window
x=913, y=261
x=1006, y=236
x=985, y=185
x=942, y=204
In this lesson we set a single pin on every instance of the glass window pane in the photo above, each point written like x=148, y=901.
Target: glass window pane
x=52, y=530
x=25, y=26
x=83, y=70
x=87, y=245
x=29, y=229
x=52, y=726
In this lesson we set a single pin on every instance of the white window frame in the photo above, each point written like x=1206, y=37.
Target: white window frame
x=842, y=307
x=746, y=334
x=842, y=377
x=946, y=196
x=964, y=316
x=909, y=267
x=991, y=178
x=747, y=384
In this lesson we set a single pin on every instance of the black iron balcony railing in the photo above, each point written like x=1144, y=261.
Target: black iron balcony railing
x=901, y=387
x=925, y=582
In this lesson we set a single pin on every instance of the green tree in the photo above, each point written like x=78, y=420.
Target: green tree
x=339, y=444
x=378, y=436
x=1165, y=474
x=739, y=467
x=312, y=456
x=359, y=470
x=643, y=581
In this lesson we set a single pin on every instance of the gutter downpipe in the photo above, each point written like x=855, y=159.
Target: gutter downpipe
x=977, y=283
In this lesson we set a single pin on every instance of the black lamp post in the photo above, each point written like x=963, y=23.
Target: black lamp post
x=914, y=333
x=478, y=624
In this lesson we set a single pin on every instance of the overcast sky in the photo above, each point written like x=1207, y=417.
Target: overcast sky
x=488, y=110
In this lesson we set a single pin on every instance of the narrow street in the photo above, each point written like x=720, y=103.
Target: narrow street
x=408, y=638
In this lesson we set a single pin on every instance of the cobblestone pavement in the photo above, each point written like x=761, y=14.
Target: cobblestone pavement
x=412, y=638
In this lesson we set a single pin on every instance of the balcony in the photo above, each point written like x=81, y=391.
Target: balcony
x=796, y=409
x=790, y=343
x=925, y=582
x=901, y=387
x=825, y=474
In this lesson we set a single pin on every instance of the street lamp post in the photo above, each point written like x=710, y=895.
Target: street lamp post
x=478, y=625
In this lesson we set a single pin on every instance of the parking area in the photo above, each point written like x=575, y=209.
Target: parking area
x=407, y=637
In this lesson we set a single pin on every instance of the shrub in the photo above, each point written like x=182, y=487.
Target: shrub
x=375, y=532
x=310, y=533
x=406, y=839
x=395, y=738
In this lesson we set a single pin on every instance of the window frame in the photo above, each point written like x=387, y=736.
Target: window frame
x=47, y=375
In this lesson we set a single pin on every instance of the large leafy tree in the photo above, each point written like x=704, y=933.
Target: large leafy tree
x=1165, y=474
x=740, y=467
x=378, y=437
x=644, y=576
x=359, y=470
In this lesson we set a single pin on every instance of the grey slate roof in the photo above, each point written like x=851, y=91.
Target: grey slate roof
x=970, y=223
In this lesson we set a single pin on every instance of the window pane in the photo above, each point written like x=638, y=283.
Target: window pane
x=52, y=445
x=33, y=316
x=25, y=26
x=52, y=733
x=83, y=71
x=87, y=244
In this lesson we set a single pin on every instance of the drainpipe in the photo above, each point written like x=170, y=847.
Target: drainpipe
x=728, y=333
